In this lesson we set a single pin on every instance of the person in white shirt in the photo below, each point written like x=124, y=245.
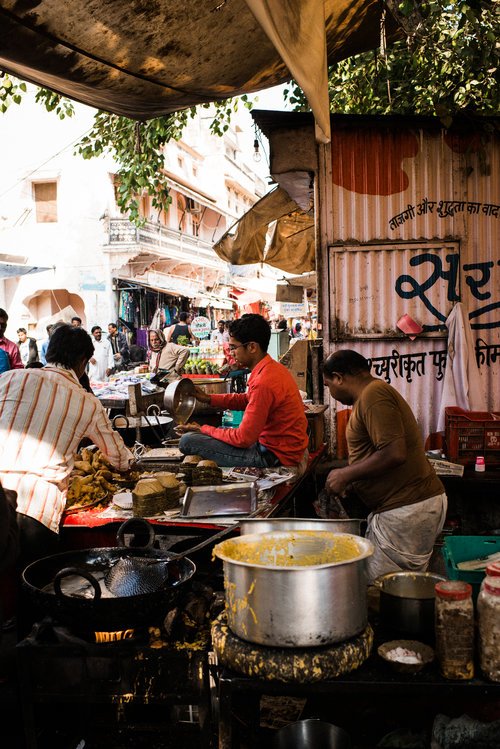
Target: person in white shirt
x=102, y=362
x=217, y=335
x=27, y=347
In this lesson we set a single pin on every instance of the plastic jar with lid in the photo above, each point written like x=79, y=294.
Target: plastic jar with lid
x=454, y=621
x=488, y=609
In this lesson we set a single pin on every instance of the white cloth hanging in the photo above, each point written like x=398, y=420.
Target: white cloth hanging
x=463, y=384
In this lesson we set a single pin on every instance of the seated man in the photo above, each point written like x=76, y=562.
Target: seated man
x=274, y=427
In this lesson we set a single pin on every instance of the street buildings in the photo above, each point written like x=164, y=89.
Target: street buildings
x=59, y=212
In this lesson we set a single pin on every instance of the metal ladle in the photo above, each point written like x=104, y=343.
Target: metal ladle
x=132, y=576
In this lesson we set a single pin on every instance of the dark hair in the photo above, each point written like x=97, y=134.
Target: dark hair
x=251, y=328
x=34, y=365
x=345, y=362
x=95, y=327
x=298, y=327
x=48, y=329
x=78, y=319
x=113, y=325
x=3, y=314
x=68, y=345
x=183, y=316
x=21, y=330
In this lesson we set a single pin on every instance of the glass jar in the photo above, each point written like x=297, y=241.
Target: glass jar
x=454, y=622
x=488, y=609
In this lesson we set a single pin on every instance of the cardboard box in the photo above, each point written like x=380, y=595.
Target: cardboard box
x=295, y=360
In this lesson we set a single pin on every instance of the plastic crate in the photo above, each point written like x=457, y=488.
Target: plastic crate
x=463, y=548
x=472, y=433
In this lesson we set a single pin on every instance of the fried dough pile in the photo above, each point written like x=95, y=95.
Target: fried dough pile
x=93, y=478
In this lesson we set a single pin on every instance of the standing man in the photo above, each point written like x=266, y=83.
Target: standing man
x=217, y=335
x=119, y=346
x=180, y=329
x=45, y=345
x=274, y=427
x=44, y=415
x=101, y=363
x=27, y=347
x=387, y=468
x=9, y=347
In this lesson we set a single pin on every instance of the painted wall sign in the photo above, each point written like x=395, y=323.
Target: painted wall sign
x=444, y=208
x=478, y=281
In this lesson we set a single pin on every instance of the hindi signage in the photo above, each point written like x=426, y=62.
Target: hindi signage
x=200, y=327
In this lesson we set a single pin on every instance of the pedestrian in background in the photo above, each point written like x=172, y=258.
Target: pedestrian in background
x=119, y=346
x=76, y=322
x=102, y=362
x=27, y=347
x=10, y=348
x=44, y=346
x=217, y=335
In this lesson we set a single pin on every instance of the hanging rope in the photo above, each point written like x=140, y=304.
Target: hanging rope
x=383, y=52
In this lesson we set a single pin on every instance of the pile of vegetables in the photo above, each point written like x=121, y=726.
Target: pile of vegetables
x=201, y=366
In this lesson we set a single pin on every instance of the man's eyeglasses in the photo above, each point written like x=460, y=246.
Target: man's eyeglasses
x=240, y=345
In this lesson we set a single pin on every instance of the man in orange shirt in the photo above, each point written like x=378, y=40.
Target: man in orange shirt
x=274, y=427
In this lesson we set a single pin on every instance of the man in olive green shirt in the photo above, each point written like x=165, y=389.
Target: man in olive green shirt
x=387, y=467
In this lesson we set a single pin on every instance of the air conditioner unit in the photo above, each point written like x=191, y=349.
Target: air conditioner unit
x=192, y=206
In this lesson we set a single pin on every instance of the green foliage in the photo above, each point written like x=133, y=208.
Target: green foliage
x=447, y=62
x=55, y=102
x=11, y=91
x=138, y=149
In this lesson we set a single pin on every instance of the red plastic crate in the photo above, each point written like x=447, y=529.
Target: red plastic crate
x=472, y=433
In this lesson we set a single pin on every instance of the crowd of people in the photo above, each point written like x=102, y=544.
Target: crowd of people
x=111, y=352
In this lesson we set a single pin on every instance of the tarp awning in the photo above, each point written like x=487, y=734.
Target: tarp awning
x=291, y=245
x=145, y=59
x=12, y=266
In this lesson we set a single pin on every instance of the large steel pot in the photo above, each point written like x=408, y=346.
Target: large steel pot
x=270, y=525
x=407, y=603
x=308, y=602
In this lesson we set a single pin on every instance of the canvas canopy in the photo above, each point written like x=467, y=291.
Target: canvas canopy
x=275, y=231
x=143, y=59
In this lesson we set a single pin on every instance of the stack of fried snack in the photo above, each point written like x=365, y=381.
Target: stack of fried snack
x=148, y=498
x=172, y=488
x=188, y=465
x=93, y=479
x=206, y=473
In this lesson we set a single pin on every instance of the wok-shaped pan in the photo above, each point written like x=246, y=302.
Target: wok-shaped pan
x=46, y=582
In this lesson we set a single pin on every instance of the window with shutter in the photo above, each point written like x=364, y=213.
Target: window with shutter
x=45, y=196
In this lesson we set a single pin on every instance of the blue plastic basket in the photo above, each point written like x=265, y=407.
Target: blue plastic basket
x=463, y=548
